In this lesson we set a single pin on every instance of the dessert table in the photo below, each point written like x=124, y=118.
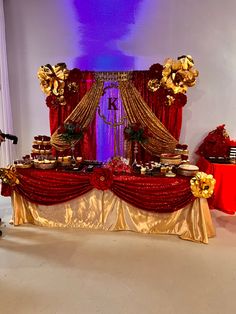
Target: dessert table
x=103, y=201
x=224, y=197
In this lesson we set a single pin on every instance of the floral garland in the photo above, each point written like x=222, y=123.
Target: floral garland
x=134, y=132
x=172, y=80
x=202, y=185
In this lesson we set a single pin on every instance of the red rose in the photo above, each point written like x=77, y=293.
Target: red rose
x=161, y=95
x=74, y=75
x=101, y=178
x=155, y=71
x=180, y=100
x=52, y=101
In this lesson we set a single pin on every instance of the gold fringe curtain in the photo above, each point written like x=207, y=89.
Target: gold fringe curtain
x=138, y=111
x=83, y=113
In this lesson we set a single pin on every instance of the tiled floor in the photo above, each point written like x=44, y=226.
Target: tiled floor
x=71, y=271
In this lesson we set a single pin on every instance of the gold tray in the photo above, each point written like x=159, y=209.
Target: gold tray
x=45, y=166
x=64, y=163
x=23, y=166
x=187, y=173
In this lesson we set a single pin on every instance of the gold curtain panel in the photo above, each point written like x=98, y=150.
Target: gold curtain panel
x=138, y=111
x=83, y=113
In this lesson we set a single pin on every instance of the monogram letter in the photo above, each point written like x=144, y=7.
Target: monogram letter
x=111, y=103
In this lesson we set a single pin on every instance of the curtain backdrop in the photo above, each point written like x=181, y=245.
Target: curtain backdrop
x=7, y=151
x=58, y=114
x=165, y=120
x=170, y=116
x=156, y=194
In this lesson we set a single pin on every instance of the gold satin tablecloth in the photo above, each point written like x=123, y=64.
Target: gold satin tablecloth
x=102, y=210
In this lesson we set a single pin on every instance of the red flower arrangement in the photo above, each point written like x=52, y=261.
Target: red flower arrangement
x=232, y=143
x=178, y=100
x=117, y=165
x=215, y=144
x=101, y=178
x=134, y=132
x=70, y=131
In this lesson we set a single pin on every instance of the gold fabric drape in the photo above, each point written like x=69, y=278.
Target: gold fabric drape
x=83, y=113
x=102, y=210
x=138, y=111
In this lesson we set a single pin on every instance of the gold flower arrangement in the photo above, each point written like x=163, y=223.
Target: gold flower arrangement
x=202, y=185
x=175, y=76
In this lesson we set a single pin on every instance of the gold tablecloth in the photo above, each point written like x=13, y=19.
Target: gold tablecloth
x=102, y=210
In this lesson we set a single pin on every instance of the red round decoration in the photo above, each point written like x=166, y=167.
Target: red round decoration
x=101, y=178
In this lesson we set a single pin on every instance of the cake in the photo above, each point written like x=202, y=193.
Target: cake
x=182, y=150
x=41, y=146
x=44, y=163
x=170, y=159
x=188, y=170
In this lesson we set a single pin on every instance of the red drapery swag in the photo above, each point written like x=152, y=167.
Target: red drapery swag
x=156, y=194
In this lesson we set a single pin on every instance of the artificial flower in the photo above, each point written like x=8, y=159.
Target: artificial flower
x=101, y=178
x=202, y=185
x=215, y=144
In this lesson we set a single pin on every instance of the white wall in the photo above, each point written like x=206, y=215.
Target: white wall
x=206, y=29
x=36, y=35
